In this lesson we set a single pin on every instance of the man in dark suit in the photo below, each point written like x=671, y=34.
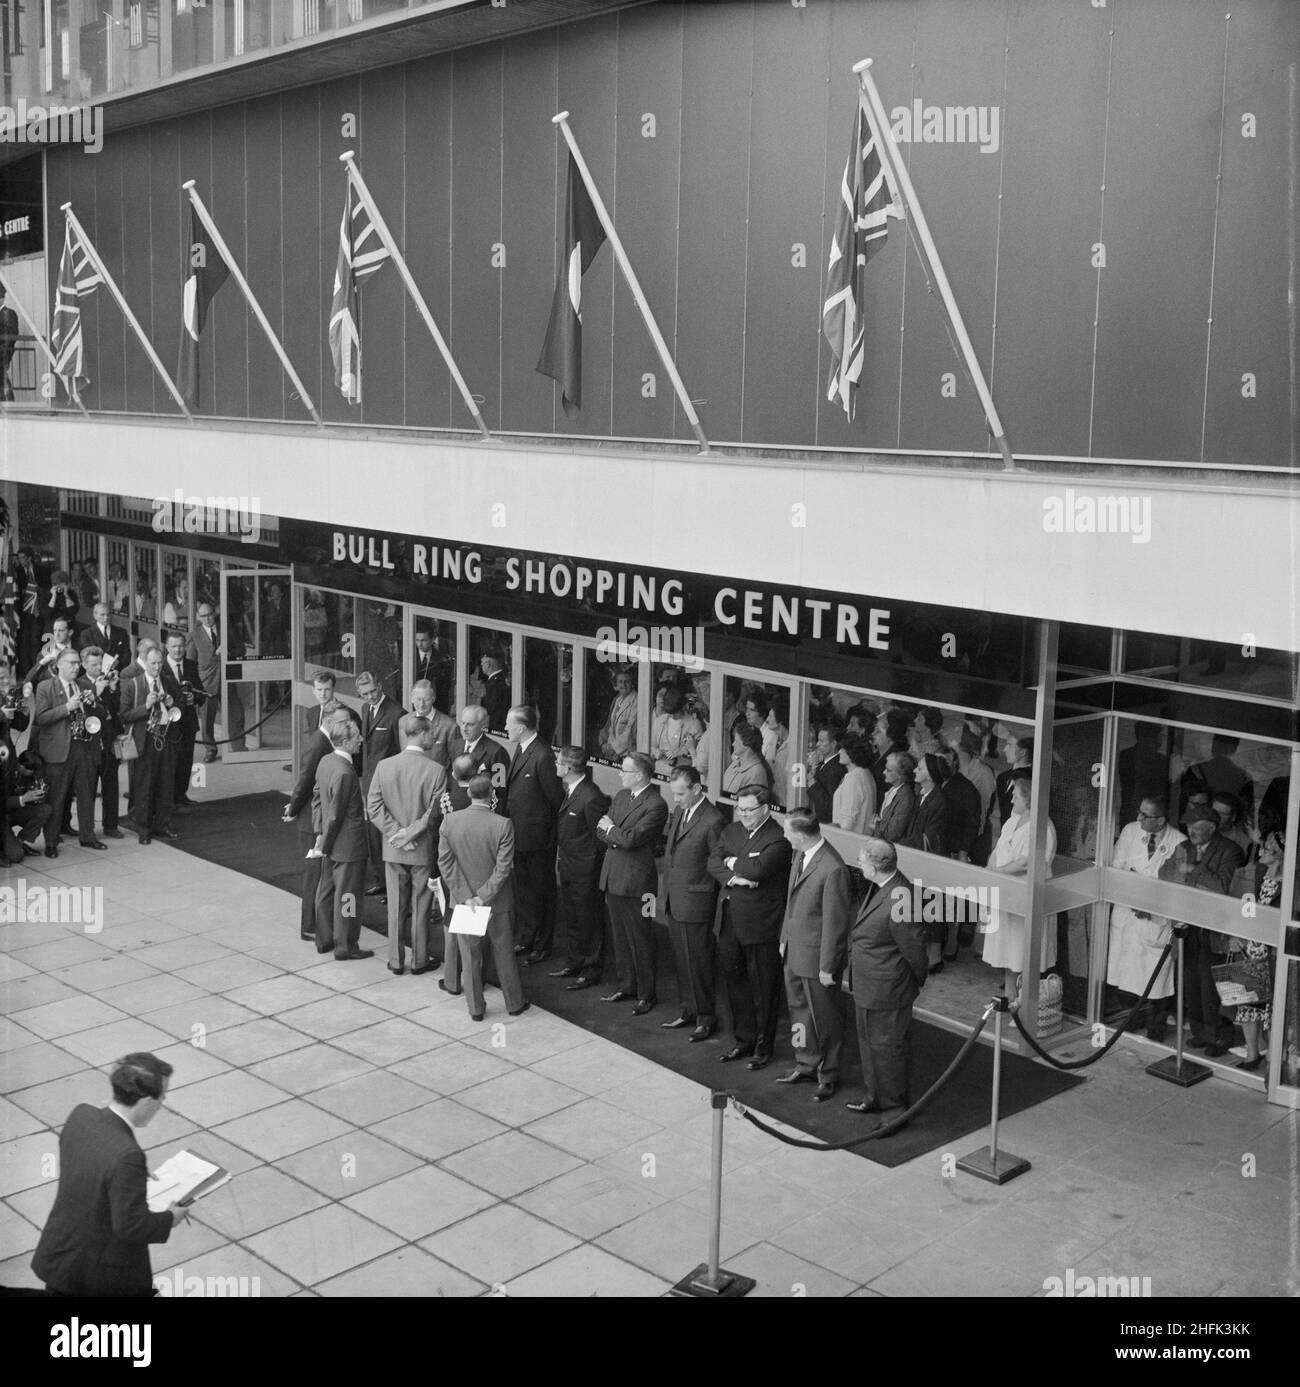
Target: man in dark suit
x=825, y=771
x=379, y=719
x=631, y=832
x=341, y=842
x=303, y=805
x=112, y=640
x=496, y=692
x=579, y=906
x=433, y=665
x=147, y=702
x=475, y=856
x=96, y=1239
x=533, y=798
x=490, y=757
x=814, y=945
x=1209, y=860
x=887, y=969
x=71, y=754
x=751, y=862
x=204, y=649
x=688, y=900
x=442, y=730
x=184, y=672
x=403, y=806
x=108, y=710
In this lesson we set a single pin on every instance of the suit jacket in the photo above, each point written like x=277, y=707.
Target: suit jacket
x=341, y=814
x=96, y=1239
x=304, y=808
x=189, y=723
x=135, y=715
x=755, y=912
x=205, y=651
x=887, y=959
x=630, y=846
x=929, y=829
x=894, y=821
x=1220, y=862
x=496, y=699
x=490, y=758
x=818, y=912
x=534, y=793
x=821, y=789
x=476, y=851
x=117, y=642
x=53, y=722
x=378, y=735
x=444, y=730
x=404, y=793
x=965, y=810
x=689, y=891
x=580, y=849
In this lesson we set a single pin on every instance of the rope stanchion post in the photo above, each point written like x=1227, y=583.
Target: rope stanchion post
x=993, y=1165
x=708, y=1280
x=1173, y=1068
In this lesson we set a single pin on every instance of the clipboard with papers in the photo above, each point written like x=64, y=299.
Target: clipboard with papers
x=470, y=919
x=182, y=1178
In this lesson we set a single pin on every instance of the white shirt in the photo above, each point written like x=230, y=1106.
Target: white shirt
x=810, y=853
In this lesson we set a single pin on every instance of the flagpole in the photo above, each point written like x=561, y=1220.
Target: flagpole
x=381, y=226
x=108, y=279
x=237, y=275
x=885, y=140
x=35, y=331
x=562, y=120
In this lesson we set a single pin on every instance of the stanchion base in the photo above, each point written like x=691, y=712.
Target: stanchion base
x=1184, y=1076
x=729, y=1285
x=995, y=1169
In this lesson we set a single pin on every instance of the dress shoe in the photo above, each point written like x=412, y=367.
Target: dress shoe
x=51, y=852
x=950, y=958
x=450, y=991
x=324, y=948
x=113, y=833
x=1197, y=1045
x=580, y=982
x=796, y=1076
x=353, y=954
x=519, y=1011
x=1155, y=1033
x=210, y=756
x=642, y=1007
x=539, y=955
x=145, y=838
x=1251, y=1065
x=521, y=949
x=95, y=845
x=824, y=1091
x=619, y=997
x=863, y=1107
x=1213, y=1052
x=185, y=800
x=30, y=849
x=759, y=1062
x=423, y=968
x=476, y=1016
x=182, y=806
x=676, y=1023
x=374, y=890
x=569, y=972
x=166, y=835
x=398, y=971
x=700, y=1033
x=936, y=968
x=309, y=935
x=737, y=1052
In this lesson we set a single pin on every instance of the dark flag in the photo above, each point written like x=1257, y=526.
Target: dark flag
x=866, y=203
x=361, y=253
x=205, y=273
x=77, y=277
x=561, y=357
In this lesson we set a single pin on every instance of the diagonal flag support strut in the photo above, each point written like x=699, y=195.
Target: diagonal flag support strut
x=562, y=120
x=130, y=317
x=347, y=158
x=30, y=324
x=237, y=275
x=889, y=151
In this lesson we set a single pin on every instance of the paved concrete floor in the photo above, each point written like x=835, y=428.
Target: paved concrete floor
x=384, y=1144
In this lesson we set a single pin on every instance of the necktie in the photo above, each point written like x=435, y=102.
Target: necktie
x=798, y=866
x=155, y=686
x=1151, y=845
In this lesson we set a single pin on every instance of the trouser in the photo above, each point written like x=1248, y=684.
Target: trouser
x=154, y=778
x=338, y=906
x=29, y=820
x=634, y=946
x=233, y=721
x=580, y=923
x=816, y=1025
x=311, y=874
x=470, y=951
x=374, y=864
x=106, y=784
x=885, y=1044
x=208, y=734
x=68, y=780
x=184, y=765
x=408, y=903
x=534, y=880
x=752, y=973
x=1201, y=1002
x=692, y=942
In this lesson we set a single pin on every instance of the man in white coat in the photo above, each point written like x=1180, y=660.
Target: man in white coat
x=1136, y=937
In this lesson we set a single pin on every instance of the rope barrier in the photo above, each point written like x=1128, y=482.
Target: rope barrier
x=226, y=741
x=886, y=1128
x=1120, y=1030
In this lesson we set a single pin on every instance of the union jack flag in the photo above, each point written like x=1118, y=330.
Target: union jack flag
x=77, y=278
x=361, y=253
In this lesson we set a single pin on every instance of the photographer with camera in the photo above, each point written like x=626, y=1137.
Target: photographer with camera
x=53, y=645
x=150, y=710
x=67, y=737
x=63, y=601
x=108, y=709
x=192, y=697
x=23, y=803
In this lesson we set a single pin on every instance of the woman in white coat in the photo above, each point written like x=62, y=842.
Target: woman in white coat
x=1005, y=933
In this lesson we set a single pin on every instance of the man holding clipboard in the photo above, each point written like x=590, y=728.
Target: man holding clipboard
x=476, y=851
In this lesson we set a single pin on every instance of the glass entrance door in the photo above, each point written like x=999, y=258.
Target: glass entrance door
x=257, y=668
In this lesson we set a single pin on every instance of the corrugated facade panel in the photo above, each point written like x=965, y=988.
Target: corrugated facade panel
x=231, y=320
x=133, y=270
x=165, y=249
x=268, y=387
x=310, y=229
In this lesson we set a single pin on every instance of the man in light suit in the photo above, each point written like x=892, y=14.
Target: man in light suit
x=490, y=757
x=403, y=806
x=62, y=702
x=303, y=804
x=579, y=906
x=631, y=832
x=476, y=851
x=814, y=941
x=888, y=967
x=379, y=719
x=341, y=842
x=96, y=1239
x=751, y=863
x=204, y=649
x=147, y=701
x=533, y=795
x=442, y=730
x=688, y=900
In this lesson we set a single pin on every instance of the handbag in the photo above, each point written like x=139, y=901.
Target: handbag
x=124, y=747
x=1236, y=983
